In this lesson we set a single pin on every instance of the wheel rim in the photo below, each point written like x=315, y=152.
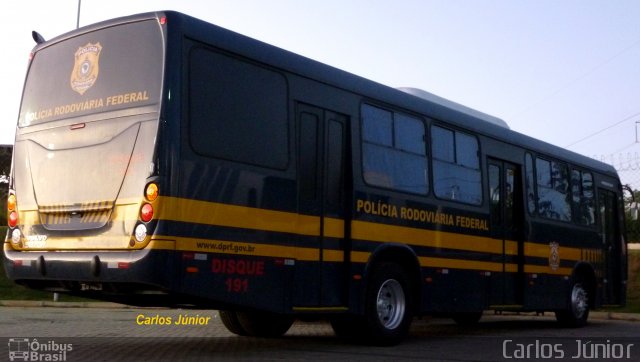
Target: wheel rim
x=579, y=301
x=391, y=304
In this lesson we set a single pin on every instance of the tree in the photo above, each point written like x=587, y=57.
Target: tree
x=5, y=163
x=5, y=170
x=632, y=226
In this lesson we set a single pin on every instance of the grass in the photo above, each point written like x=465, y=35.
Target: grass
x=633, y=284
x=11, y=291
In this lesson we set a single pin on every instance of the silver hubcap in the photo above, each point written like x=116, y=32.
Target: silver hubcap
x=579, y=301
x=391, y=304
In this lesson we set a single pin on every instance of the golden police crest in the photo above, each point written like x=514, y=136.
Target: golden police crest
x=86, y=67
x=554, y=255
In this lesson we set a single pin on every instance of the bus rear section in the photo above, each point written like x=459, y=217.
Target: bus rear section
x=83, y=186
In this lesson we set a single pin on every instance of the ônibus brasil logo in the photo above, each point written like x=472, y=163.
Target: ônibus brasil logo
x=25, y=349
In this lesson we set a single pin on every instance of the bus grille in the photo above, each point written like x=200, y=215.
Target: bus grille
x=90, y=215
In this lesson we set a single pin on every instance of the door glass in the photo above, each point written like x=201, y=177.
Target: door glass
x=494, y=194
x=308, y=156
x=334, y=166
x=509, y=199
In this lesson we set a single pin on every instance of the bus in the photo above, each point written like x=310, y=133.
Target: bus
x=160, y=160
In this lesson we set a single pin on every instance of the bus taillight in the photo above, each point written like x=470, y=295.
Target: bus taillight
x=146, y=212
x=12, y=206
x=13, y=219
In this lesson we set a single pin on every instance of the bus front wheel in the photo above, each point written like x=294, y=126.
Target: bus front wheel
x=577, y=311
x=388, y=305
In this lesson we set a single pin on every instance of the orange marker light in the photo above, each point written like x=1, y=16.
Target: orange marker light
x=11, y=202
x=151, y=192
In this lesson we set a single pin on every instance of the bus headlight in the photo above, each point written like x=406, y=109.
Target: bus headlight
x=15, y=236
x=140, y=233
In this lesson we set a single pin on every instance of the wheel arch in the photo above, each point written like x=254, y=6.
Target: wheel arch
x=407, y=259
x=585, y=271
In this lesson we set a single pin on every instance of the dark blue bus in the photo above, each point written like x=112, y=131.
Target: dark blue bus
x=163, y=161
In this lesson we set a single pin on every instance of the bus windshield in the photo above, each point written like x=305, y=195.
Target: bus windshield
x=109, y=69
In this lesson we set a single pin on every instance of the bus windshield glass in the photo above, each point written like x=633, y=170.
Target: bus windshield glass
x=105, y=70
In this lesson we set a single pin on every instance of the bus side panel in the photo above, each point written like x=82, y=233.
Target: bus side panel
x=454, y=291
x=551, y=256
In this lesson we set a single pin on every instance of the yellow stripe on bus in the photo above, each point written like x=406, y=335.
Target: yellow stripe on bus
x=219, y=214
x=543, y=250
x=212, y=213
x=466, y=264
x=333, y=228
x=369, y=231
x=546, y=269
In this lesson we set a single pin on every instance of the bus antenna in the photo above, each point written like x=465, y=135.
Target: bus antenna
x=39, y=39
x=78, y=18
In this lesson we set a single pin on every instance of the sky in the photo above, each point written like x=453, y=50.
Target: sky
x=566, y=72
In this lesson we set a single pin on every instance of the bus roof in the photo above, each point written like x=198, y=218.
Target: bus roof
x=436, y=107
x=433, y=106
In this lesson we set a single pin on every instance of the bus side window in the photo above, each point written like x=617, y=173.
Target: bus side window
x=583, y=200
x=553, y=189
x=393, y=150
x=456, y=166
x=242, y=121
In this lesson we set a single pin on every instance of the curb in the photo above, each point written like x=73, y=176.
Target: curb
x=42, y=303
x=629, y=317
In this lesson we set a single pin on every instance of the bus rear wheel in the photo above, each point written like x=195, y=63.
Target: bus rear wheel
x=263, y=324
x=577, y=311
x=231, y=322
x=388, y=305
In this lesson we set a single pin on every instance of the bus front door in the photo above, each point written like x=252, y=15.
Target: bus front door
x=507, y=217
x=321, y=140
x=612, y=248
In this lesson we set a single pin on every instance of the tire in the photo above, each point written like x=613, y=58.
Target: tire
x=348, y=327
x=230, y=320
x=577, y=311
x=467, y=319
x=264, y=324
x=388, y=305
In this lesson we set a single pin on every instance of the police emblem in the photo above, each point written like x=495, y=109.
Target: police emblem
x=554, y=256
x=85, y=69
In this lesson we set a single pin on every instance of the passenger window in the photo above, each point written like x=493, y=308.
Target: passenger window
x=553, y=190
x=456, y=166
x=583, y=197
x=393, y=150
x=237, y=110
